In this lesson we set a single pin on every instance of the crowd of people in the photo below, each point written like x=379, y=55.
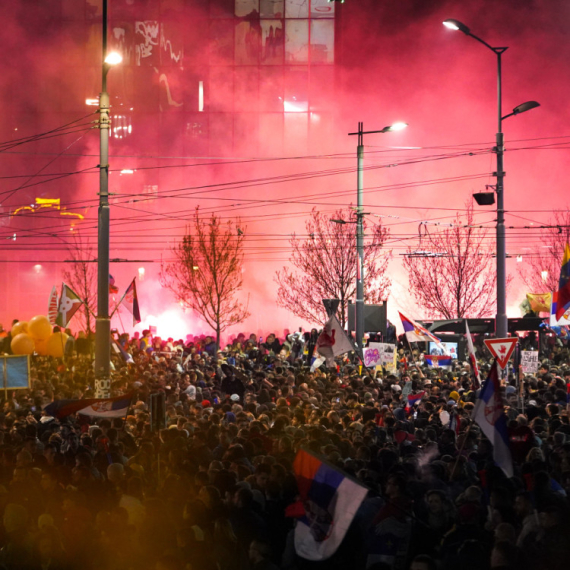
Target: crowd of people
x=209, y=489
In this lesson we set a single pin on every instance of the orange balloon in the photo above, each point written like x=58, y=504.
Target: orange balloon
x=19, y=327
x=22, y=344
x=56, y=344
x=39, y=327
x=40, y=346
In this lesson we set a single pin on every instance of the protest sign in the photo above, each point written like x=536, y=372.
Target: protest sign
x=378, y=353
x=529, y=361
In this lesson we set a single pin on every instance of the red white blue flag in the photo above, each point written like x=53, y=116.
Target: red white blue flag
x=472, y=358
x=95, y=407
x=130, y=300
x=415, y=332
x=413, y=399
x=490, y=417
x=328, y=502
x=438, y=360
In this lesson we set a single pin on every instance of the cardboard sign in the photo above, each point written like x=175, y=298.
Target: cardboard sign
x=501, y=349
x=529, y=361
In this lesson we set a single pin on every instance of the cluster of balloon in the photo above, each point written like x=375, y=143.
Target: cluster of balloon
x=36, y=336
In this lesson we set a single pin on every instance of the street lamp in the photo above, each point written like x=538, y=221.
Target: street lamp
x=103, y=320
x=359, y=313
x=501, y=317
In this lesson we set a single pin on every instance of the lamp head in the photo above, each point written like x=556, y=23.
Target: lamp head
x=456, y=25
x=113, y=58
x=395, y=127
x=523, y=107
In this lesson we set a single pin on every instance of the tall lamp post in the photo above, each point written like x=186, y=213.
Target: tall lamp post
x=501, y=323
x=103, y=321
x=359, y=305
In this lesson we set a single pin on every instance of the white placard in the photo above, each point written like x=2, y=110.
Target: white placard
x=529, y=361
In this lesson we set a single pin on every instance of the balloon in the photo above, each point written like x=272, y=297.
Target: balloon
x=40, y=346
x=56, y=344
x=22, y=344
x=19, y=327
x=39, y=327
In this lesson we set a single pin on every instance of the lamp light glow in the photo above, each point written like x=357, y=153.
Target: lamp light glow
x=113, y=58
x=456, y=25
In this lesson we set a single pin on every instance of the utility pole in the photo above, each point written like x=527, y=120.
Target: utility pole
x=103, y=321
x=359, y=305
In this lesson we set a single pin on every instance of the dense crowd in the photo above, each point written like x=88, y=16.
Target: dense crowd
x=210, y=489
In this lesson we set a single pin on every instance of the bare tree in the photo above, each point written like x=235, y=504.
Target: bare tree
x=81, y=276
x=205, y=274
x=452, y=273
x=325, y=260
x=541, y=268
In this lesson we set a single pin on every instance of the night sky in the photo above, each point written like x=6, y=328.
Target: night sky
x=240, y=156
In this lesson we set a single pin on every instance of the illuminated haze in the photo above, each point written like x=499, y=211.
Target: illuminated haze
x=394, y=60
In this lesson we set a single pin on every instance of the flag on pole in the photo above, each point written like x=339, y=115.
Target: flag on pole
x=329, y=501
x=113, y=289
x=454, y=422
x=69, y=302
x=489, y=415
x=415, y=332
x=130, y=300
x=563, y=296
x=472, y=358
x=539, y=302
x=333, y=341
x=52, y=306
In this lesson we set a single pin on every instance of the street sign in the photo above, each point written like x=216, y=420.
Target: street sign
x=501, y=349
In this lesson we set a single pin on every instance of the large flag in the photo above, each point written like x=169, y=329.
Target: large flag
x=333, y=341
x=69, y=302
x=415, y=332
x=489, y=414
x=539, y=302
x=328, y=502
x=95, y=407
x=563, y=296
x=472, y=358
x=130, y=300
x=52, y=306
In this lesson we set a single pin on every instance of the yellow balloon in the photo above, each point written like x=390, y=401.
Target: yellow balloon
x=39, y=327
x=56, y=344
x=40, y=346
x=22, y=344
x=19, y=327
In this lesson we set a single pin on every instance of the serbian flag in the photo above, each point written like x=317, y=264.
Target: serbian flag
x=413, y=399
x=438, y=360
x=568, y=393
x=563, y=294
x=472, y=358
x=130, y=300
x=95, y=407
x=415, y=332
x=490, y=417
x=328, y=502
